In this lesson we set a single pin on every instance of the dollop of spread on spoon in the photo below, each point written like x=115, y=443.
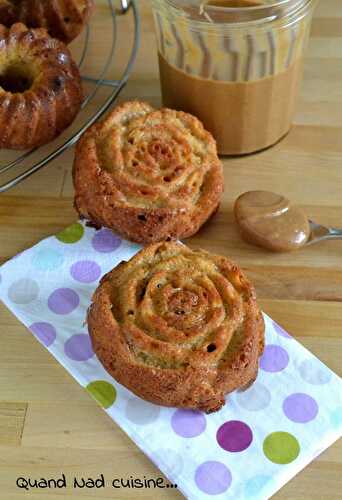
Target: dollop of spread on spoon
x=269, y=220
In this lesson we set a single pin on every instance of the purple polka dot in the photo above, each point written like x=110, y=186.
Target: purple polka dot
x=280, y=331
x=78, y=347
x=300, y=408
x=45, y=332
x=274, y=359
x=188, y=423
x=85, y=271
x=105, y=241
x=63, y=301
x=213, y=478
x=234, y=436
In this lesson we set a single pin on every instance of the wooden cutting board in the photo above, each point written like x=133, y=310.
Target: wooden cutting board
x=48, y=424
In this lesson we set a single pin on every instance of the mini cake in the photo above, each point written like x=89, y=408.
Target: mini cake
x=40, y=87
x=148, y=174
x=178, y=327
x=64, y=19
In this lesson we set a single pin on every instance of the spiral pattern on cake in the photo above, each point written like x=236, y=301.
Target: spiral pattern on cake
x=64, y=19
x=148, y=174
x=177, y=327
x=40, y=87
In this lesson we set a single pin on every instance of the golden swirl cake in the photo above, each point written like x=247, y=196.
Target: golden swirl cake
x=63, y=19
x=177, y=327
x=40, y=87
x=148, y=174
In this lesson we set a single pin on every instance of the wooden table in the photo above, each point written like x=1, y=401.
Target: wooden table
x=48, y=424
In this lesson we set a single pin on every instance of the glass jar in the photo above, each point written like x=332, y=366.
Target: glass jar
x=235, y=64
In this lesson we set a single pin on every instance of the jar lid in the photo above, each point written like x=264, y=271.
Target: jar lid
x=237, y=12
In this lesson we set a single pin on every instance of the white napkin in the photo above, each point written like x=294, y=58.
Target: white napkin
x=248, y=450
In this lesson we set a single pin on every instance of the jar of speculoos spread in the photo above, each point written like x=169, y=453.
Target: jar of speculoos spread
x=235, y=64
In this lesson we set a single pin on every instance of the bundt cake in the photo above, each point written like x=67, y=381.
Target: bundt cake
x=64, y=19
x=178, y=327
x=148, y=174
x=40, y=87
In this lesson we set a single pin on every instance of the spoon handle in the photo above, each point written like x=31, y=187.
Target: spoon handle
x=322, y=233
x=331, y=234
x=335, y=233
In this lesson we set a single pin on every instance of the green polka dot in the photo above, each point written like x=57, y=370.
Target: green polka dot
x=281, y=447
x=103, y=392
x=71, y=234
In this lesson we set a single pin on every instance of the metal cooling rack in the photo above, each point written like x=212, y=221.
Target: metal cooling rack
x=15, y=171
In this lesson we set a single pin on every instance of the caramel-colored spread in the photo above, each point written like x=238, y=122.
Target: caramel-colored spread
x=270, y=220
x=243, y=116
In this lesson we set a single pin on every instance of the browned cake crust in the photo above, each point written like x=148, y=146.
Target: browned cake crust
x=64, y=19
x=40, y=87
x=149, y=174
x=178, y=327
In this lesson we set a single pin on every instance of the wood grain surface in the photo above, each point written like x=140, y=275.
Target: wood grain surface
x=48, y=424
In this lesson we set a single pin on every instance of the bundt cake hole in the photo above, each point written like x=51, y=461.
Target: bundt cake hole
x=141, y=293
x=243, y=358
x=58, y=83
x=211, y=348
x=16, y=78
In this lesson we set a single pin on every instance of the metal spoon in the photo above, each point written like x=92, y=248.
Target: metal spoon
x=321, y=233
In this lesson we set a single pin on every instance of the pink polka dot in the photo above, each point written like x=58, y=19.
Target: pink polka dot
x=300, y=408
x=85, y=271
x=213, y=478
x=78, y=347
x=274, y=359
x=45, y=332
x=105, y=241
x=63, y=301
x=188, y=423
x=234, y=436
x=280, y=331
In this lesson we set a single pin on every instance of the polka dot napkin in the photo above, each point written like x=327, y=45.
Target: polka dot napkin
x=248, y=450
